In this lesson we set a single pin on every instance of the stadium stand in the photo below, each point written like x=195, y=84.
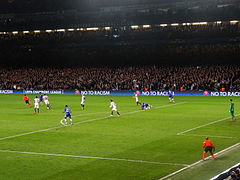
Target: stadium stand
x=161, y=45
x=216, y=43
x=125, y=78
x=87, y=13
x=54, y=45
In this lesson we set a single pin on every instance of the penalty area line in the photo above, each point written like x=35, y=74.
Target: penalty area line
x=131, y=112
x=89, y=114
x=200, y=161
x=203, y=135
x=94, y=157
x=204, y=125
x=52, y=128
x=158, y=107
x=81, y=122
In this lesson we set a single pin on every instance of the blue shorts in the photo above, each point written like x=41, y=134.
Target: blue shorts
x=68, y=116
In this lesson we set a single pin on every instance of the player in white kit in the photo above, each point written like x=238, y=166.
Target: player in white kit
x=114, y=108
x=46, y=101
x=83, y=101
x=137, y=101
x=36, y=104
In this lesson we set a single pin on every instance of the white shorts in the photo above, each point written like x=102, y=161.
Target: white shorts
x=82, y=103
x=114, y=109
x=36, y=106
x=46, y=102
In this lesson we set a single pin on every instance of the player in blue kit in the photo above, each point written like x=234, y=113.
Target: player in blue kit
x=40, y=96
x=170, y=96
x=67, y=112
x=145, y=106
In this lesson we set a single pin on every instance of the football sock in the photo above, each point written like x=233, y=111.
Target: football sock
x=213, y=157
x=203, y=155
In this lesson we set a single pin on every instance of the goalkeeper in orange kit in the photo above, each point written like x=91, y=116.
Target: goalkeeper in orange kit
x=208, y=146
x=26, y=99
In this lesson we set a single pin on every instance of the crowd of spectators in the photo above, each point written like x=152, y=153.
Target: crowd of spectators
x=156, y=45
x=195, y=78
x=235, y=175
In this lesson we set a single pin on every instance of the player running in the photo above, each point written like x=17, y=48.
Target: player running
x=114, y=107
x=46, y=101
x=40, y=97
x=145, y=106
x=136, y=97
x=67, y=112
x=36, y=105
x=232, y=110
x=83, y=101
x=26, y=99
x=170, y=96
x=208, y=146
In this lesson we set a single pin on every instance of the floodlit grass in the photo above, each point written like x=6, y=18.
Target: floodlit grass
x=137, y=144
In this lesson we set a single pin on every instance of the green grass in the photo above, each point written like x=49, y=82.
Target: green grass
x=141, y=135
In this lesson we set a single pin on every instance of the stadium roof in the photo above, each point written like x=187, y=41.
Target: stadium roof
x=28, y=6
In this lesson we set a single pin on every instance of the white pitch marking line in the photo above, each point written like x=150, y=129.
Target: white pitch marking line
x=89, y=114
x=131, y=111
x=204, y=125
x=81, y=122
x=156, y=107
x=93, y=157
x=200, y=135
x=200, y=161
x=33, y=132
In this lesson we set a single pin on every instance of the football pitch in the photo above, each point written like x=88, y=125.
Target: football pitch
x=140, y=144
